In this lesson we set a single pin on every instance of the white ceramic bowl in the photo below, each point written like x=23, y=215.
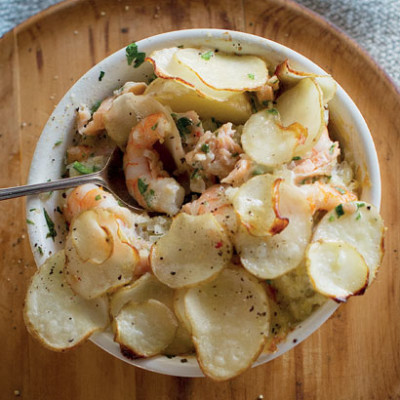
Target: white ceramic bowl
x=48, y=159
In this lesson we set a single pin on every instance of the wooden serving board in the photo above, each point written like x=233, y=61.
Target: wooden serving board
x=355, y=355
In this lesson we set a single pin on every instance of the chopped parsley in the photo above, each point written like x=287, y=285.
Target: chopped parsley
x=251, y=76
x=83, y=169
x=98, y=197
x=50, y=224
x=32, y=209
x=154, y=127
x=40, y=250
x=205, y=148
x=95, y=107
x=207, y=55
x=273, y=111
x=358, y=216
x=102, y=73
x=340, y=190
x=184, y=126
x=253, y=105
x=57, y=143
x=268, y=281
x=331, y=149
x=296, y=158
x=339, y=210
x=331, y=218
x=359, y=205
x=152, y=77
x=257, y=171
x=28, y=221
x=180, y=46
x=195, y=174
x=134, y=56
x=142, y=186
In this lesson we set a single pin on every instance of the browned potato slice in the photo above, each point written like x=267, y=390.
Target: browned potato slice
x=55, y=315
x=289, y=77
x=230, y=321
x=98, y=231
x=257, y=203
x=194, y=250
x=145, y=288
x=363, y=228
x=145, y=329
x=303, y=104
x=182, y=343
x=272, y=256
x=336, y=269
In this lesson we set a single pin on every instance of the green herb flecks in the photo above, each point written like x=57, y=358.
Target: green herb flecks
x=50, y=224
x=40, y=250
x=57, y=143
x=102, y=73
x=83, y=169
x=253, y=105
x=332, y=149
x=339, y=210
x=147, y=195
x=28, y=221
x=32, y=209
x=257, y=171
x=95, y=107
x=273, y=111
x=268, y=281
x=340, y=190
x=195, y=174
x=207, y=55
x=98, y=197
x=154, y=127
x=360, y=205
x=251, y=76
x=297, y=158
x=142, y=186
x=134, y=56
x=205, y=148
x=358, y=216
x=331, y=218
x=184, y=126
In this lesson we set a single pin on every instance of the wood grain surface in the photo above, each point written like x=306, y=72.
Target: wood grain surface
x=355, y=355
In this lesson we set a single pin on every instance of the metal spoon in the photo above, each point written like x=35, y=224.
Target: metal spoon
x=111, y=177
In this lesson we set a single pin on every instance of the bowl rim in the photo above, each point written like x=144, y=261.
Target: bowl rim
x=174, y=366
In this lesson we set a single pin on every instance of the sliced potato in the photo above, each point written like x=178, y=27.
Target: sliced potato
x=364, y=229
x=222, y=71
x=272, y=256
x=230, y=321
x=54, y=314
x=267, y=142
x=303, y=104
x=179, y=308
x=145, y=288
x=182, y=98
x=289, y=77
x=257, y=203
x=167, y=66
x=92, y=277
x=145, y=329
x=336, y=269
x=194, y=250
x=127, y=110
x=182, y=343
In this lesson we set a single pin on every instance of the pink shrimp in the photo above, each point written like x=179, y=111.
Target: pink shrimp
x=322, y=196
x=85, y=197
x=323, y=158
x=214, y=155
x=241, y=172
x=151, y=187
x=215, y=201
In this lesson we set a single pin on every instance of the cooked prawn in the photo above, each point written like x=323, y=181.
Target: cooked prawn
x=241, y=172
x=151, y=186
x=85, y=197
x=322, y=196
x=214, y=155
x=321, y=162
x=215, y=201
x=190, y=129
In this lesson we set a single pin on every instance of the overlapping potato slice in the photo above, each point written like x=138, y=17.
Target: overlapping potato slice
x=363, y=228
x=224, y=71
x=257, y=203
x=179, y=308
x=267, y=142
x=303, y=104
x=182, y=343
x=145, y=329
x=336, y=269
x=127, y=110
x=167, y=66
x=272, y=256
x=289, y=77
x=54, y=314
x=230, y=321
x=98, y=231
x=194, y=250
x=145, y=288
x=182, y=98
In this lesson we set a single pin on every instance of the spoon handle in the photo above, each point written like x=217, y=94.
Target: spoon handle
x=26, y=190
